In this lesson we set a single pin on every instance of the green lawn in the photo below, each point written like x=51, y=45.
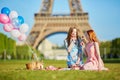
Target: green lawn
x=16, y=70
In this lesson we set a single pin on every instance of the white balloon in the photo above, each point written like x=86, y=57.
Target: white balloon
x=15, y=33
x=24, y=28
x=13, y=14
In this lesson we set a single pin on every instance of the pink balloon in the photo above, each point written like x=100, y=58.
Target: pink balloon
x=8, y=27
x=4, y=18
x=22, y=37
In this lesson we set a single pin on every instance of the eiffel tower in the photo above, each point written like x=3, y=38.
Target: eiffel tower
x=47, y=23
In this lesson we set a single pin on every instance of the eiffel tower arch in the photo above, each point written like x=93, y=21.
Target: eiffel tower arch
x=47, y=23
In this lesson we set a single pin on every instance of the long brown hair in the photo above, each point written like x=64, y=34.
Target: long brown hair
x=69, y=34
x=92, y=36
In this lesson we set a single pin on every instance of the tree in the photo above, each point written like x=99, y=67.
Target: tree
x=105, y=48
x=116, y=47
x=2, y=46
x=7, y=46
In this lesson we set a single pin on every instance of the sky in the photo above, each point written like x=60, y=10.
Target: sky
x=104, y=16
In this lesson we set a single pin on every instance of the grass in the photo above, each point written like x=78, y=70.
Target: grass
x=16, y=70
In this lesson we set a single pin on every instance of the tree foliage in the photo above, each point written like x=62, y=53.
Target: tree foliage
x=115, y=48
x=7, y=46
x=111, y=48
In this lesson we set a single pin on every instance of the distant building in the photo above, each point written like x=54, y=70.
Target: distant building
x=46, y=47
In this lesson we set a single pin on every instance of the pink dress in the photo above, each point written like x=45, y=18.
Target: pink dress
x=92, y=58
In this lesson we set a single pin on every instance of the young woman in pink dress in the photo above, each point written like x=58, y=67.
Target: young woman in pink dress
x=94, y=61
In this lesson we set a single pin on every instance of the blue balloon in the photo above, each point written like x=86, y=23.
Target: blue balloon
x=5, y=10
x=21, y=20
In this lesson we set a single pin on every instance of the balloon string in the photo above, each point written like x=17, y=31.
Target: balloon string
x=34, y=55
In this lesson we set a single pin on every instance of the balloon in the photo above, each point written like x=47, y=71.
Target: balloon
x=21, y=20
x=22, y=37
x=13, y=14
x=8, y=27
x=24, y=28
x=15, y=33
x=4, y=18
x=5, y=10
x=15, y=22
